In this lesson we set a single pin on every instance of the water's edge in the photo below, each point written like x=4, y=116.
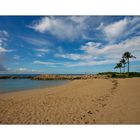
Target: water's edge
x=15, y=85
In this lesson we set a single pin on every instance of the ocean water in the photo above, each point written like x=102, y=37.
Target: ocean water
x=19, y=74
x=10, y=85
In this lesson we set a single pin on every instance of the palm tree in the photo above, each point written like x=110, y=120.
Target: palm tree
x=123, y=61
x=118, y=65
x=127, y=56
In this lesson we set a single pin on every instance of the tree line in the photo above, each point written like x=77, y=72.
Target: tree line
x=124, y=60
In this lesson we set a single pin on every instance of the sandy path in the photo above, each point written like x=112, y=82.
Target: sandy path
x=124, y=107
x=79, y=102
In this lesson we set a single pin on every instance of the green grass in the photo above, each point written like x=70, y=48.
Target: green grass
x=120, y=75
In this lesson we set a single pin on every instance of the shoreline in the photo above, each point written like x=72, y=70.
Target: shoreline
x=56, y=77
x=30, y=90
x=91, y=101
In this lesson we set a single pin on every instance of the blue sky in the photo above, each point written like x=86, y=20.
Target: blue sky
x=67, y=44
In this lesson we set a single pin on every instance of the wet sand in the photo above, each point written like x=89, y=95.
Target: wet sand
x=92, y=101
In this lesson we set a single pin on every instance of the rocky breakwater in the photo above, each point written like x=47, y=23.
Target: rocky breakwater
x=66, y=77
x=55, y=77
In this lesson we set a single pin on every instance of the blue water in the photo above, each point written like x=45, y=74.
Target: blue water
x=10, y=85
x=19, y=74
x=34, y=74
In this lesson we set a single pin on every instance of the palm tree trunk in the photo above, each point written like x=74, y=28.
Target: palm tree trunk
x=128, y=65
x=120, y=70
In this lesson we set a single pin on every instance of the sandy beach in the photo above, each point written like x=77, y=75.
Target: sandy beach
x=91, y=101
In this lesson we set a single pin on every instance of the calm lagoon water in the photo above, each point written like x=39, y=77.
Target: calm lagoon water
x=10, y=85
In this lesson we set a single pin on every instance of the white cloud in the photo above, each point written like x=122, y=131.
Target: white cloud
x=3, y=37
x=44, y=44
x=43, y=63
x=133, y=26
x=50, y=64
x=40, y=55
x=3, y=50
x=114, y=30
x=3, y=40
x=37, y=41
x=75, y=56
x=89, y=49
x=24, y=70
x=3, y=34
x=79, y=19
x=42, y=50
x=114, y=51
x=120, y=29
x=21, y=70
x=63, y=28
x=96, y=54
x=90, y=63
x=69, y=56
x=16, y=57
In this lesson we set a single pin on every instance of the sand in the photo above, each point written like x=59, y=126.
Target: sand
x=92, y=101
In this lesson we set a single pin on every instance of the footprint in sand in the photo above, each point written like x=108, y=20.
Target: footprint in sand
x=101, y=102
x=89, y=112
x=103, y=105
x=115, y=85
